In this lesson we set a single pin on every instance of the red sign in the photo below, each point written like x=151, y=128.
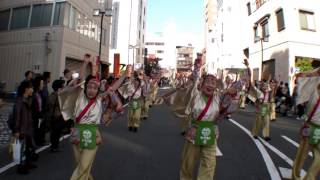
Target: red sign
x=116, y=65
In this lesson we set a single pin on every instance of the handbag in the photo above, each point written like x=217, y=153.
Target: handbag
x=18, y=151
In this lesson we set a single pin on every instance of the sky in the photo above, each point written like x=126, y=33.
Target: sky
x=186, y=15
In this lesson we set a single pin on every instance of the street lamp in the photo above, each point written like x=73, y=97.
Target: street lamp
x=261, y=39
x=96, y=13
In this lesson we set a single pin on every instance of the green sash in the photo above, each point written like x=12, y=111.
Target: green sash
x=204, y=133
x=264, y=109
x=87, y=133
x=134, y=104
x=314, y=137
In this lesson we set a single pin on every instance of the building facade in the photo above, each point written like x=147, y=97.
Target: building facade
x=128, y=31
x=224, y=35
x=274, y=35
x=210, y=16
x=184, y=55
x=282, y=33
x=42, y=35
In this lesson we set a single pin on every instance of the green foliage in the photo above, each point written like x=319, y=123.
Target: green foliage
x=305, y=64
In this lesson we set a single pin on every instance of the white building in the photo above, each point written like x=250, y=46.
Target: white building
x=281, y=32
x=272, y=34
x=128, y=31
x=156, y=48
x=223, y=34
x=42, y=35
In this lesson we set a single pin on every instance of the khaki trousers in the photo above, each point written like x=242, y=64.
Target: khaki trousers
x=145, y=108
x=154, y=94
x=261, y=122
x=134, y=117
x=242, y=101
x=272, y=111
x=184, y=124
x=301, y=156
x=84, y=159
x=190, y=154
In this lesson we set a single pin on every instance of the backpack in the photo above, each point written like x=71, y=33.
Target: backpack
x=11, y=122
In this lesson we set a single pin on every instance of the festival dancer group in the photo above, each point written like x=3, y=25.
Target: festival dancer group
x=202, y=102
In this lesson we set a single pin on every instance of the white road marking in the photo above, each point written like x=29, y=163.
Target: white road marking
x=219, y=153
x=279, y=153
x=294, y=143
x=12, y=164
x=287, y=173
x=273, y=172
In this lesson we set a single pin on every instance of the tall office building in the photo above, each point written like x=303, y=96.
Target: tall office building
x=128, y=32
x=50, y=36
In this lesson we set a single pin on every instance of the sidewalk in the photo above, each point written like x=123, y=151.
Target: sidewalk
x=5, y=133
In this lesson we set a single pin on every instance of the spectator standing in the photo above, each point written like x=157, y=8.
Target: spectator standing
x=55, y=119
x=67, y=76
x=37, y=111
x=23, y=128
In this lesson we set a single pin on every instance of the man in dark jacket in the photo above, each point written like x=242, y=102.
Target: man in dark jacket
x=23, y=128
x=55, y=118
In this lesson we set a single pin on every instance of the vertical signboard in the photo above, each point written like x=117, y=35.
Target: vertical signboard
x=116, y=64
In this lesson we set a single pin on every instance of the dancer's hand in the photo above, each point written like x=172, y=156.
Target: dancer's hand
x=128, y=71
x=245, y=62
x=98, y=140
x=87, y=58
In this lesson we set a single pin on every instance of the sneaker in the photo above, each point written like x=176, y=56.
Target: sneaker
x=22, y=169
x=267, y=138
x=31, y=166
x=135, y=129
x=130, y=128
x=256, y=137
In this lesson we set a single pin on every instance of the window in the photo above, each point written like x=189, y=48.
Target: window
x=73, y=18
x=59, y=13
x=159, y=51
x=259, y=3
x=249, y=8
x=79, y=23
x=307, y=20
x=86, y=26
x=256, y=34
x=280, y=20
x=66, y=14
x=41, y=15
x=265, y=29
x=20, y=17
x=4, y=19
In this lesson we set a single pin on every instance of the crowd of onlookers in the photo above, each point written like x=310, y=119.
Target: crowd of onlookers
x=36, y=113
x=285, y=100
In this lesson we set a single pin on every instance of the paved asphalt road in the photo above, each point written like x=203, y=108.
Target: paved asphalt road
x=154, y=152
